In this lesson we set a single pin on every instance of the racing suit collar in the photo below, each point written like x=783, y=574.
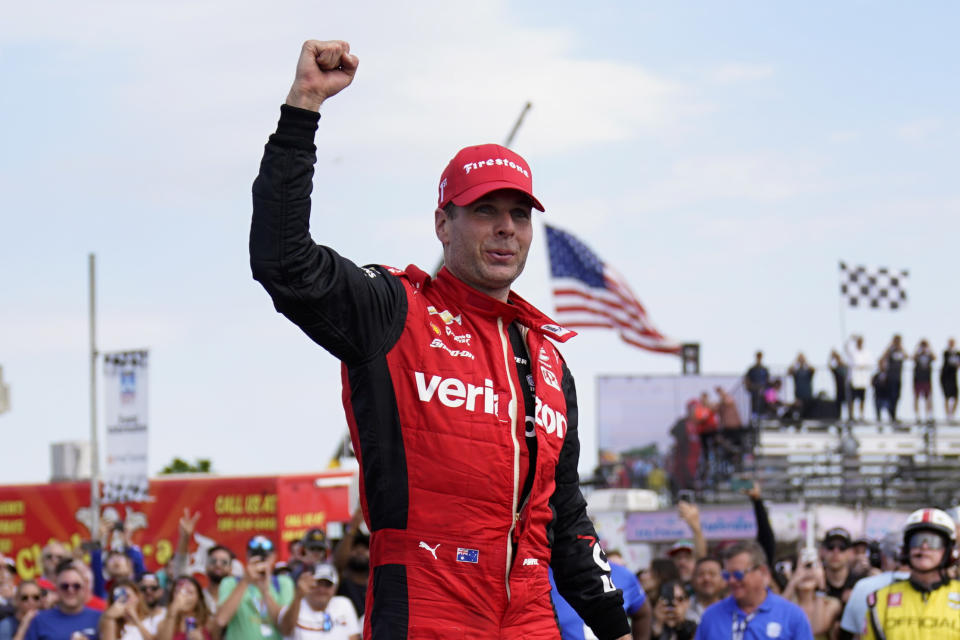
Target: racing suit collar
x=469, y=299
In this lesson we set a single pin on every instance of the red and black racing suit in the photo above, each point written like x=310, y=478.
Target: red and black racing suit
x=467, y=502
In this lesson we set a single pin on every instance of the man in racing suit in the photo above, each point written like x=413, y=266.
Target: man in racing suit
x=468, y=500
x=927, y=605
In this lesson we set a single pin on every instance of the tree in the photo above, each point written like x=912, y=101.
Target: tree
x=179, y=465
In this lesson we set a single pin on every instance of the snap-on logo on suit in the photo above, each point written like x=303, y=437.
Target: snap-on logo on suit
x=551, y=420
x=454, y=393
x=437, y=343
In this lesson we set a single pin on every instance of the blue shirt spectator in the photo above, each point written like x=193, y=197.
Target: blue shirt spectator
x=70, y=616
x=572, y=626
x=774, y=618
x=54, y=624
x=101, y=581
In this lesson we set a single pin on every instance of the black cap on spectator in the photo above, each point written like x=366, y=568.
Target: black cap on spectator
x=315, y=539
x=838, y=532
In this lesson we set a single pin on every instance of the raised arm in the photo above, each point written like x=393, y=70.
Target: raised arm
x=325, y=69
x=352, y=312
x=690, y=514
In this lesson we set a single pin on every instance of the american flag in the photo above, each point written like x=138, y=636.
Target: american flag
x=588, y=293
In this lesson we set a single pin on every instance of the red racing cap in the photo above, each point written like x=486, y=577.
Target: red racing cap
x=476, y=171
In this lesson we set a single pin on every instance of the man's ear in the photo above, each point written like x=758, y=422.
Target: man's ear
x=440, y=221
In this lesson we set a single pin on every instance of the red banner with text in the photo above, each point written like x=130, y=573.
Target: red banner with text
x=232, y=510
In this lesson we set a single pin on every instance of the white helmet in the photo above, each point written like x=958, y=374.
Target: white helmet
x=932, y=520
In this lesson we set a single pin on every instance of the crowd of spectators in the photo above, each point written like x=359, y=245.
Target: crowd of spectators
x=730, y=589
x=318, y=593
x=759, y=588
x=856, y=371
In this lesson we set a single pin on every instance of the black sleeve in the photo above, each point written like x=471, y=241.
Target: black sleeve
x=580, y=578
x=352, y=312
x=765, y=533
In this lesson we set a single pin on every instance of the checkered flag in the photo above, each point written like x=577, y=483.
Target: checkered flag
x=879, y=288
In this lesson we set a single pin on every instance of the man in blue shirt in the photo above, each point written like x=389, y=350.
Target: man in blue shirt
x=70, y=619
x=751, y=612
x=635, y=604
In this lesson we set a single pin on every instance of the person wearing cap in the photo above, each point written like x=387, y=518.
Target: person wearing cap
x=682, y=554
x=854, y=619
x=836, y=552
x=927, y=604
x=461, y=410
x=751, y=611
x=315, y=612
x=250, y=605
x=315, y=546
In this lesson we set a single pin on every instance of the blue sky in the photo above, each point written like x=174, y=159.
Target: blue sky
x=723, y=159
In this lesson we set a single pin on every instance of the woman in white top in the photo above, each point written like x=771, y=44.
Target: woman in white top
x=124, y=618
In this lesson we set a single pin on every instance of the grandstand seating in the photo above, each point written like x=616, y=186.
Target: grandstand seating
x=864, y=464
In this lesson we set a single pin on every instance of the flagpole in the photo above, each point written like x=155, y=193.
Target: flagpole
x=843, y=348
x=843, y=321
x=94, y=449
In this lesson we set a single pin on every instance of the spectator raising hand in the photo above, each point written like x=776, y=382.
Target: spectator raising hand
x=690, y=514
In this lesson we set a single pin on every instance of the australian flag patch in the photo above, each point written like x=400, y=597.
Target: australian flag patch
x=468, y=555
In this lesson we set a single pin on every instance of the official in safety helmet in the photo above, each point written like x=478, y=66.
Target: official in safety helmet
x=927, y=605
x=929, y=539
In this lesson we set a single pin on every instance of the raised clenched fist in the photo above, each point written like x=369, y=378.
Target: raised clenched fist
x=325, y=68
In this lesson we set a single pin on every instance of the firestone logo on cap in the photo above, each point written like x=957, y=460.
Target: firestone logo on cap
x=476, y=171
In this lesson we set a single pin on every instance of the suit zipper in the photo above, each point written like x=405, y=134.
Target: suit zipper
x=512, y=413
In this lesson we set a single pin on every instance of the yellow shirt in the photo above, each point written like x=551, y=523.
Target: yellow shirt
x=901, y=612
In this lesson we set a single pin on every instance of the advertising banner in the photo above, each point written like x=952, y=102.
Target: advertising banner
x=125, y=413
x=232, y=510
x=666, y=526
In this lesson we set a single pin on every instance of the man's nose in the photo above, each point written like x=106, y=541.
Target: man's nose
x=505, y=224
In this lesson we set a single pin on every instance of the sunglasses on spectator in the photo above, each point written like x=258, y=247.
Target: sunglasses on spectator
x=70, y=586
x=36, y=597
x=932, y=540
x=738, y=575
x=53, y=556
x=150, y=587
x=219, y=562
x=260, y=545
x=836, y=546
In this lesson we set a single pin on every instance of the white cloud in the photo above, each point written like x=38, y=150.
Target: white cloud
x=203, y=80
